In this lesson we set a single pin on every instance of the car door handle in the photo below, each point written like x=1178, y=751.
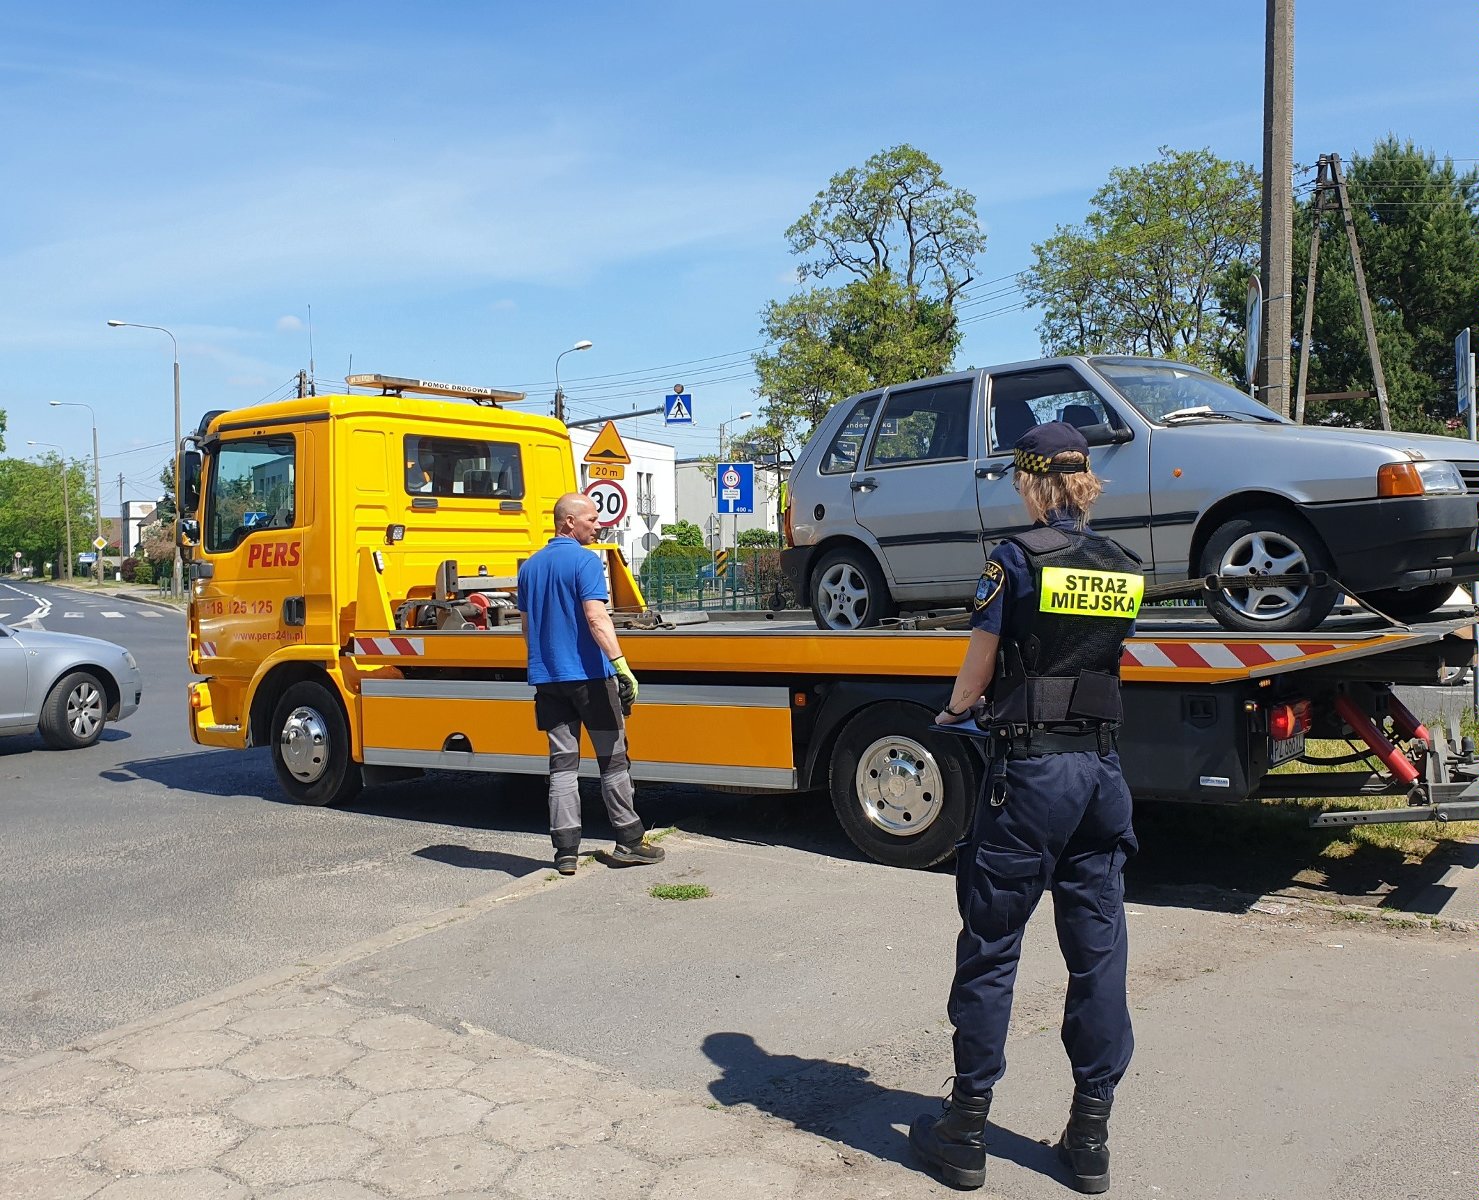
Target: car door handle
x=996, y=472
x=866, y=484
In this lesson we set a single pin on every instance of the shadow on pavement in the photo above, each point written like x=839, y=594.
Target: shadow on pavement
x=208, y=772
x=24, y=743
x=841, y=1102
x=517, y=865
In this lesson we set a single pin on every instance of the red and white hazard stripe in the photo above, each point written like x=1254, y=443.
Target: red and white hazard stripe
x=388, y=646
x=207, y=649
x=1218, y=654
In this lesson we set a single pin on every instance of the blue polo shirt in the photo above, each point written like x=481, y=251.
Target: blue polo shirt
x=554, y=584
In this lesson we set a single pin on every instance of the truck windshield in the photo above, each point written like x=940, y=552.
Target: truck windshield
x=252, y=487
x=1172, y=394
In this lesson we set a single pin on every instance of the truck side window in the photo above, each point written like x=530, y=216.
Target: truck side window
x=253, y=486
x=1020, y=402
x=924, y=424
x=440, y=466
x=842, y=455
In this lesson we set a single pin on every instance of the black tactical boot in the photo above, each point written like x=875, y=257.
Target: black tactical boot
x=955, y=1144
x=1084, y=1146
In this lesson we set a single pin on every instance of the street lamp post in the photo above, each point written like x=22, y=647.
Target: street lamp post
x=723, y=457
x=559, y=395
x=176, y=583
x=66, y=503
x=97, y=485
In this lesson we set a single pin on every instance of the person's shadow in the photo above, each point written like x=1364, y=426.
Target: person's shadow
x=841, y=1102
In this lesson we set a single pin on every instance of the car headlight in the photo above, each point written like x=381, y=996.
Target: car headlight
x=1440, y=478
x=129, y=659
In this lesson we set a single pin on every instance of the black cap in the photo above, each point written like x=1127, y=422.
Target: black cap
x=1036, y=449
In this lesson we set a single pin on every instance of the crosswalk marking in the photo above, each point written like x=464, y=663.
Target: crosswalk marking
x=71, y=614
x=113, y=614
x=149, y=612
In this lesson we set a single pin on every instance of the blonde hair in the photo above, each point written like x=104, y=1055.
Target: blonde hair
x=1073, y=494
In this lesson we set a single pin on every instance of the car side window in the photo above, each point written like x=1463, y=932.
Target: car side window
x=924, y=424
x=1020, y=402
x=842, y=455
x=252, y=488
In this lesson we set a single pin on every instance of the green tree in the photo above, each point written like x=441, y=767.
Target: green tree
x=685, y=533
x=1417, y=223
x=2, y=430
x=900, y=244
x=758, y=539
x=33, y=515
x=1141, y=275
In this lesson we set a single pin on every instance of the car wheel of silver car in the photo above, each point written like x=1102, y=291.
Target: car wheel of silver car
x=310, y=746
x=75, y=711
x=848, y=591
x=902, y=793
x=1412, y=605
x=1263, y=543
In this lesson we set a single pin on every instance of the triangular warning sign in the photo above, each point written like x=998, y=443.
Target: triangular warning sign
x=679, y=410
x=608, y=447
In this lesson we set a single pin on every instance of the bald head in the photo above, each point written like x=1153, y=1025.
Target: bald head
x=575, y=517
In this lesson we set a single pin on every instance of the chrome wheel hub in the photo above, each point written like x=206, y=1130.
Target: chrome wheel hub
x=304, y=745
x=842, y=593
x=1264, y=553
x=84, y=709
x=900, y=786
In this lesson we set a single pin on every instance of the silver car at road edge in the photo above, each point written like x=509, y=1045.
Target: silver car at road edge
x=65, y=685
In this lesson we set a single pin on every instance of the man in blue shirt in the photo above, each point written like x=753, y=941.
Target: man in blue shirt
x=580, y=679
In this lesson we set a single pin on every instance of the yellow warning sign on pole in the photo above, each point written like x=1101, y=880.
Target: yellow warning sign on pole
x=721, y=563
x=608, y=447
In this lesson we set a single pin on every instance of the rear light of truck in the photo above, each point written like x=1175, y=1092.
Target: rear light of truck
x=1287, y=720
x=1398, y=479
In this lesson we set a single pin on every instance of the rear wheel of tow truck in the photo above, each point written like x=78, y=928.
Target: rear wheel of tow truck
x=903, y=794
x=310, y=746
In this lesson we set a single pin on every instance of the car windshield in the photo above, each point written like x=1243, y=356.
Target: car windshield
x=1171, y=394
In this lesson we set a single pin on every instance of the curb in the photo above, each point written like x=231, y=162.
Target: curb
x=132, y=599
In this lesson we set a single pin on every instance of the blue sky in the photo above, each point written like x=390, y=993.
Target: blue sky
x=461, y=191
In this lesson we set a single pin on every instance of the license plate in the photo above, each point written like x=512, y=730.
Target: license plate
x=1282, y=750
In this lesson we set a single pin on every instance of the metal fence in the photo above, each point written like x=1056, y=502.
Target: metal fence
x=749, y=579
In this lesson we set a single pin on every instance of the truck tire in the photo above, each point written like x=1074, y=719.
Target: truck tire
x=74, y=712
x=848, y=591
x=1267, y=542
x=902, y=793
x=310, y=746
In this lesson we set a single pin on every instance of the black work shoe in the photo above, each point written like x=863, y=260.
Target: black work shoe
x=953, y=1145
x=566, y=862
x=635, y=854
x=1084, y=1146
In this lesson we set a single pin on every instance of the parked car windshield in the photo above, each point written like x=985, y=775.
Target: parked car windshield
x=1173, y=395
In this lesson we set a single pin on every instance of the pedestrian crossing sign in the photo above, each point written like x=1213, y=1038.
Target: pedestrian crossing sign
x=677, y=409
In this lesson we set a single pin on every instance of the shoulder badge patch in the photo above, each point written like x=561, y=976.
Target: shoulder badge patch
x=989, y=587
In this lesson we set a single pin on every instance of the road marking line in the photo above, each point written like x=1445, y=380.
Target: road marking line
x=113, y=614
x=149, y=612
x=71, y=614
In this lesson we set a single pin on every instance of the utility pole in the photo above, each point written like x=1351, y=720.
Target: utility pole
x=122, y=524
x=1378, y=375
x=1277, y=244
x=1321, y=185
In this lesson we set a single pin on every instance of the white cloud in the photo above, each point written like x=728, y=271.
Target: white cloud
x=289, y=324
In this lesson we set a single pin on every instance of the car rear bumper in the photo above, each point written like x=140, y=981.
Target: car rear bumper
x=1405, y=542
x=796, y=565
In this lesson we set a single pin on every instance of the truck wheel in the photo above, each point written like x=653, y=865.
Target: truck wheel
x=74, y=712
x=310, y=746
x=848, y=591
x=903, y=794
x=1411, y=605
x=1267, y=542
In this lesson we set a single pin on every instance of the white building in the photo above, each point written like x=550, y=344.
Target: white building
x=650, y=487
x=695, y=493
x=136, y=514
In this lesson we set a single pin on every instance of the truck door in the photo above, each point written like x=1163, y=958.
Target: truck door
x=1021, y=399
x=249, y=602
x=916, y=490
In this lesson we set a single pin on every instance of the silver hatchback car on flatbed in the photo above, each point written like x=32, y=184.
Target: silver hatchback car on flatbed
x=901, y=491
x=65, y=685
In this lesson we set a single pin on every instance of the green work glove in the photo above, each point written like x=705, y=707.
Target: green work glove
x=626, y=685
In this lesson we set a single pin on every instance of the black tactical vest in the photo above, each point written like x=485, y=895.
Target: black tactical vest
x=1061, y=671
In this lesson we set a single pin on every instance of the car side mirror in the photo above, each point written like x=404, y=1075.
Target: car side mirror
x=1104, y=434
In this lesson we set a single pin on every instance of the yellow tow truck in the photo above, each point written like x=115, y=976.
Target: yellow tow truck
x=352, y=573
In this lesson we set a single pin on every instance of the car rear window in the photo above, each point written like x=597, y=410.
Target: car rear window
x=847, y=444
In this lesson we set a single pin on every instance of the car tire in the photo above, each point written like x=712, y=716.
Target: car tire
x=74, y=712
x=310, y=746
x=1411, y=605
x=848, y=591
x=903, y=794
x=1267, y=542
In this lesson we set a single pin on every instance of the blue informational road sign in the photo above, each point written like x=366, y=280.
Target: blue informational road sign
x=677, y=410
x=734, y=490
x=87, y=556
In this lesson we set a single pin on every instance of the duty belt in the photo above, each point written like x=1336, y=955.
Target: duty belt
x=1030, y=743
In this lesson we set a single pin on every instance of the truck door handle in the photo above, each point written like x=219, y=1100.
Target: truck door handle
x=295, y=610
x=866, y=484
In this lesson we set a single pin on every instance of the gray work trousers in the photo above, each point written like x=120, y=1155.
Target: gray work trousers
x=561, y=710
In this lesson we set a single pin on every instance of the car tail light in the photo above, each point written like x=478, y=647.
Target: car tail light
x=1286, y=720
x=1398, y=479
x=786, y=525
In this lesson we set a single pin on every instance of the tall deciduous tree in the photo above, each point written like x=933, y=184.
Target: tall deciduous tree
x=33, y=514
x=2, y=429
x=897, y=244
x=1417, y=222
x=1141, y=274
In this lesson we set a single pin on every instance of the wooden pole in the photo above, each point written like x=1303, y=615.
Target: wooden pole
x=1309, y=293
x=1375, y=351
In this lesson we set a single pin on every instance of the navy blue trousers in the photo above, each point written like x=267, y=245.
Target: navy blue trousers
x=1065, y=823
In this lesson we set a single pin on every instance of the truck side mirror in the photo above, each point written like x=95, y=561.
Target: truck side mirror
x=189, y=532
x=190, y=466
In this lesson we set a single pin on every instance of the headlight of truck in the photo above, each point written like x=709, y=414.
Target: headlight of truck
x=1440, y=478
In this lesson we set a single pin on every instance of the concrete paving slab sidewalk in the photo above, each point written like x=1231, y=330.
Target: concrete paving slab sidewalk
x=582, y=1038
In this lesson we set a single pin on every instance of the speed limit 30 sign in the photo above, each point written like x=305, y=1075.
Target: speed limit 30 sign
x=610, y=499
